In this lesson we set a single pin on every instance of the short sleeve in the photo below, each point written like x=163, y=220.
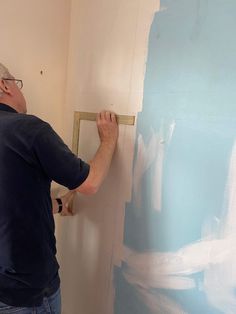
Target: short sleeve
x=57, y=161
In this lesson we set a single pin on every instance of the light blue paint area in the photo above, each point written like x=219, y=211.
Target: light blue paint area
x=190, y=79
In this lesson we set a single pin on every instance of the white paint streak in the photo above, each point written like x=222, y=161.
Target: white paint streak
x=171, y=132
x=163, y=282
x=157, y=179
x=159, y=304
x=230, y=221
x=215, y=255
x=146, y=156
x=139, y=169
x=158, y=172
x=189, y=260
x=150, y=154
x=220, y=279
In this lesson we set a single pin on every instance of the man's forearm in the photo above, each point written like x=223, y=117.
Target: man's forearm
x=100, y=164
x=99, y=167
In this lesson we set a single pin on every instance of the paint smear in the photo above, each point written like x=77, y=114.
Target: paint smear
x=220, y=279
x=148, y=155
x=215, y=257
x=159, y=304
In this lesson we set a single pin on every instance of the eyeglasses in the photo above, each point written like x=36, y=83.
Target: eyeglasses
x=19, y=83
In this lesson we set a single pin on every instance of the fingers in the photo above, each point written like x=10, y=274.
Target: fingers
x=106, y=116
x=67, y=201
x=113, y=117
x=70, y=196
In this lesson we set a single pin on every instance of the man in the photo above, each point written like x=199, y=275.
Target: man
x=31, y=156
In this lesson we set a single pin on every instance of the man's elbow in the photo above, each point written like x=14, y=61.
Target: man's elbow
x=93, y=182
x=91, y=189
x=88, y=188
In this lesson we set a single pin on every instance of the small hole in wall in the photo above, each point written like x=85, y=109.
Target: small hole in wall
x=41, y=72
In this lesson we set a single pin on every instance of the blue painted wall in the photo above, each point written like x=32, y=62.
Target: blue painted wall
x=191, y=79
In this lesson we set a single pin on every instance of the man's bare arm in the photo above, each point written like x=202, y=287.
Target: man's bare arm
x=100, y=164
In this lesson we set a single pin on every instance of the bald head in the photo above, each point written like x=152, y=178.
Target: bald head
x=10, y=93
x=4, y=73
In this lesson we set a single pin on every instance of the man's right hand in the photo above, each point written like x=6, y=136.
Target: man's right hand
x=107, y=127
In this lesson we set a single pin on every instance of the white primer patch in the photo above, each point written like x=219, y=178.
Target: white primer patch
x=215, y=256
x=157, y=179
x=220, y=279
x=159, y=304
x=147, y=155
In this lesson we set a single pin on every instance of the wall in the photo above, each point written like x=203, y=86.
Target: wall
x=34, y=37
x=180, y=224
x=159, y=237
x=107, y=54
x=178, y=254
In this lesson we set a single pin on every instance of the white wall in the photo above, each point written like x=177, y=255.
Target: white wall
x=34, y=37
x=107, y=54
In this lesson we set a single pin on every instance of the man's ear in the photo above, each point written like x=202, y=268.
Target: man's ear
x=4, y=87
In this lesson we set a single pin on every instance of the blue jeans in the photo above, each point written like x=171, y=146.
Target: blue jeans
x=50, y=305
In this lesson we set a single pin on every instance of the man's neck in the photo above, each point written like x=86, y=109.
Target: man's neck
x=4, y=107
x=7, y=102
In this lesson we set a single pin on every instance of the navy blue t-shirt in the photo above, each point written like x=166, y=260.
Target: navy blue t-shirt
x=31, y=156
